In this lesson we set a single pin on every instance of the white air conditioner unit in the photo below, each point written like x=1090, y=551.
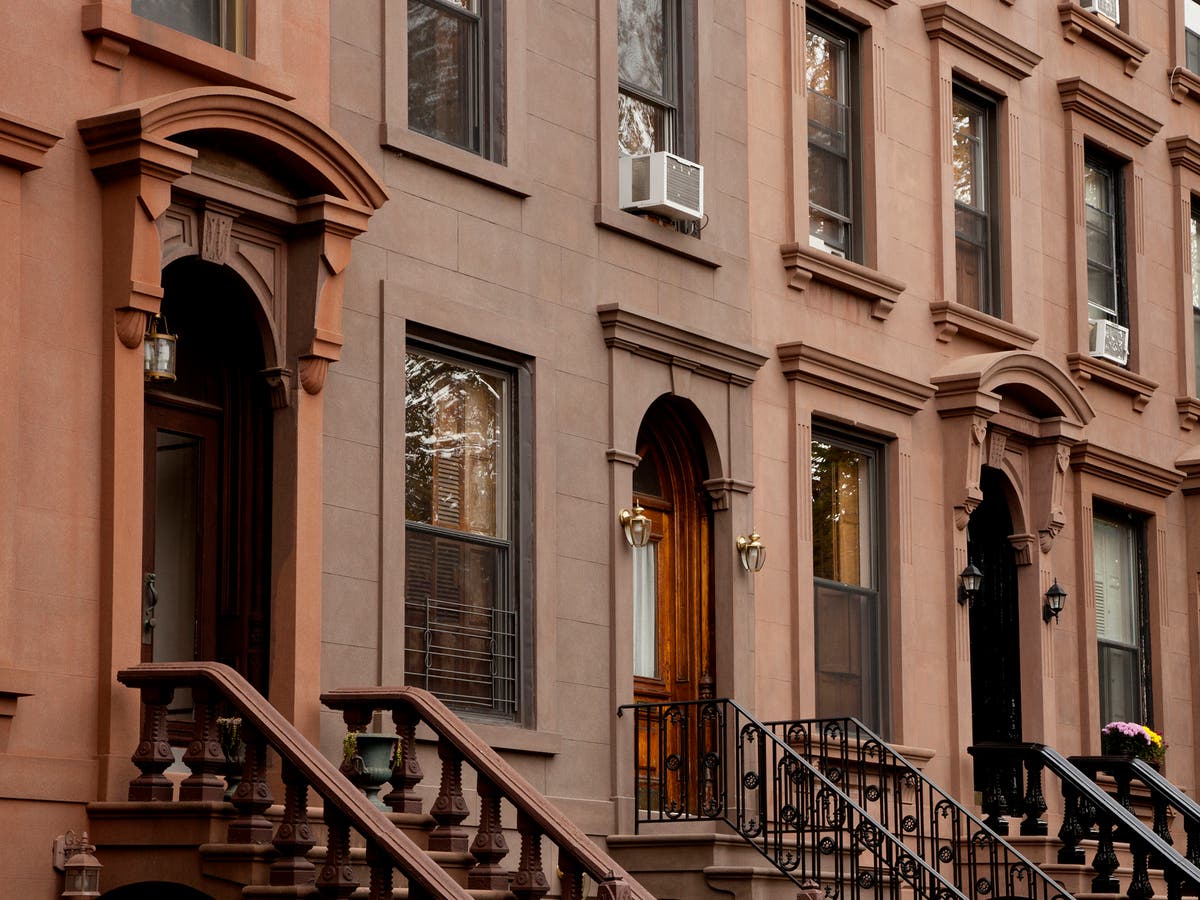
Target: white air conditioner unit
x=818, y=244
x=1110, y=9
x=664, y=184
x=1108, y=340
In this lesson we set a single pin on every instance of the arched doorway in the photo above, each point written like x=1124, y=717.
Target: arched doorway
x=995, y=640
x=206, y=537
x=673, y=635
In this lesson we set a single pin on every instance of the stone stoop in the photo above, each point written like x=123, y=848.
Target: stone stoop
x=1077, y=878
x=698, y=865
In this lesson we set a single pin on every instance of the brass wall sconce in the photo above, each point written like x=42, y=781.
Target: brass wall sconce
x=970, y=580
x=1056, y=599
x=636, y=524
x=752, y=552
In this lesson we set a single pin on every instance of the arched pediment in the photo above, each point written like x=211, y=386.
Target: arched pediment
x=263, y=126
x=980, y=381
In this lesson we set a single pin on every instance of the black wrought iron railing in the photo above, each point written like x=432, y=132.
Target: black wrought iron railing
x=1013, y=775
x=939, y=829
x=710, y=759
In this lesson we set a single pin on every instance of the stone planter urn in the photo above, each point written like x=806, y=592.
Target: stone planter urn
x=367, y=762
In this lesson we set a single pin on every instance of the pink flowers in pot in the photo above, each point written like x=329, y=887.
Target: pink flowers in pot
x=1132, y=739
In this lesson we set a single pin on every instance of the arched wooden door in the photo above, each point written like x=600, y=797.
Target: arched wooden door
x=206, y=543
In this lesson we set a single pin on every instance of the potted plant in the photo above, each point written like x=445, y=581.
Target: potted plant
x=1132, y=739
x=229, y=732
x=367, y=760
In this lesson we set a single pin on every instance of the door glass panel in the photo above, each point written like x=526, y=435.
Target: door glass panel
x=177, y=471
x=645, y=611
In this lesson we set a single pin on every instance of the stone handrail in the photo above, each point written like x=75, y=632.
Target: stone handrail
x=304, y=766
x=496, y=779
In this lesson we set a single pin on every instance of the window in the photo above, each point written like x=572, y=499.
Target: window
x=220, y=22
x=456, y=73
x=830, y=52
x=656, y=73
x=976, y=242
x=462, y=610
x=1105, y=225
x=1121, y=619
x=1194, y=219
x=847, y=543
x=1191, y=34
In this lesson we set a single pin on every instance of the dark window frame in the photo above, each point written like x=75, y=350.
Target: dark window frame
x=988, y=108
x=681, y=78
x=1115, y=168
x=518, y=557
x=880, y=660
x=488, y=104
x=1194, y=248
x=1138, y=524
x=840, y=30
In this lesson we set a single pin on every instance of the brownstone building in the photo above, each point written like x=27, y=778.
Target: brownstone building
x=502, y=331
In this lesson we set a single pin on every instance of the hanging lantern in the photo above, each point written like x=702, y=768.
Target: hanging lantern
x=160, y=351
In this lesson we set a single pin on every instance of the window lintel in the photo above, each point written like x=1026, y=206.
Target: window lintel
x=944, y=22
x=1085, y=99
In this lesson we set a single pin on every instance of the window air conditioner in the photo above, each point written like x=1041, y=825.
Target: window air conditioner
x=1108, y=340
x=664, y=184
x=818, y=244
x=1110, y=9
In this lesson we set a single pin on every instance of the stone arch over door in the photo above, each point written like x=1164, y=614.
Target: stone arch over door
x=242, y=180
x=1019, y=415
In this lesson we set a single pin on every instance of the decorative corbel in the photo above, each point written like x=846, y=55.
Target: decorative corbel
x=974, y=493
x=1056, y=518
x=1022, y=545
x=721, y=491
x=279, y=384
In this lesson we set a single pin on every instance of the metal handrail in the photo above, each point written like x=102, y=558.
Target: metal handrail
x=807, y=826
x=848, y=752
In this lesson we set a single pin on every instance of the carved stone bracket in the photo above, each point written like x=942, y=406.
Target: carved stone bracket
x=1189, y=412
x=1055, y=518
x=972, y=492
x=721, y=490
x=805, y=264
x=1022, y=545
x=279, y=383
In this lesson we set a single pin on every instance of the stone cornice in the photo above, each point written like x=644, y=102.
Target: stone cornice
x=676, y=346
x=1079, y=23
x=1183, y=82
x=955, y=318
x=947, y=23
x=1184, y=151
x=23, y=144
x=834, y=372
x=1121, y=468
x=806, y=264
x=1086, y=368
x=1084, y=98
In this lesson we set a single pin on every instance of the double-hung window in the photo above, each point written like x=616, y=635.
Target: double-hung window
x=831, y=74
x=220, y=22
x=1119, y=567
x=656, y=75
x=1191, y=34
x=456, y=74
x=847, y=566
x=462, y=601
x=1104, y=211
x=976, y=223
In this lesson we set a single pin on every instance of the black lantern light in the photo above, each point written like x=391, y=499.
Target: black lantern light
x=1056, y=599
x=970, y=580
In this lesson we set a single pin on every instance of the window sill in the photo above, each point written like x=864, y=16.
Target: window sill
x=455, y=159
x=638, y=228
x=806, y=264
x=1086, y=368
x=505, y=737
x=1189, y=412
x=1079, y=23
x=1184, y=83
x=115, y=33
x=955, y=318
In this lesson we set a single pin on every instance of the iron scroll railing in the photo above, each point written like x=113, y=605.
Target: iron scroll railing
x=1012, y=776
x=950, y=838
x=710, y=759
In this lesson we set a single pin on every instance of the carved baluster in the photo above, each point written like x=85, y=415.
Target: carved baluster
x=293, y=838
x=449, y=809
x=1161, y=828
x=204, y=755
x=571, y=874
x=381, y=874
x=529, y=882
x=403, y=797
x=337, y=872
x=1072, y=829
x=1104, y=863
x=1192, y=829
x=1139, y=885
x=1174, y=886
x=614, y=888
x=489, y=846
x=253, y=796
x=995, y=804
x=1122, y=775
x=153, y=754
x=1035, y=800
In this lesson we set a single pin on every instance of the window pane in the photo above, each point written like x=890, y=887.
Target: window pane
x=842, y=514
x=830, y=189
x=1192, y=47
x=642, y=45
x=1097, y=188
x=645, y=611
x=1102, y=294
x=1191, y=15
x=827, y=187
x=970, y=268
x=828, y=124
x=846, y=656
x=455, y=445
x=826, y=60
x=1195, y=241
x=443, y=52
x=1115, y=571
x=832, y=230
x=1099, y=238
x=1119, y=693
x=641, y=126
x=199, y=18
x=969, y=165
